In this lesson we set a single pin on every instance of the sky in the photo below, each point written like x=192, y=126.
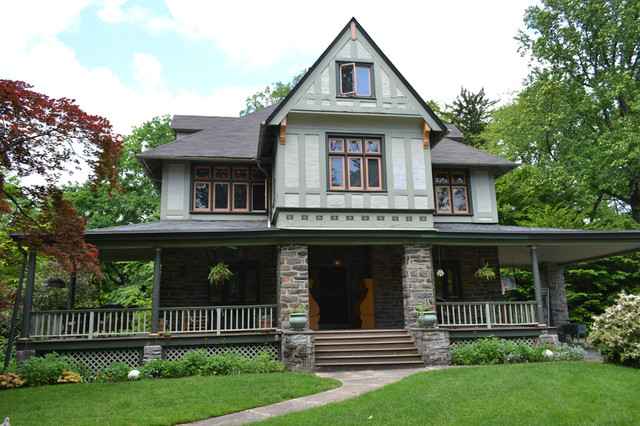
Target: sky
x=132, y=60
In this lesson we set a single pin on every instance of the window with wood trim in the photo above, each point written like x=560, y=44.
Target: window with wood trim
x=223, y=188
x=451, y=191
x=355, y=79
x=448, y=282
x=355, y=163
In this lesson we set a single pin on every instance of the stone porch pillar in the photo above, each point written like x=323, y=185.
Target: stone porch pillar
x=293, y=279
x=417, y=281
x=552, y=277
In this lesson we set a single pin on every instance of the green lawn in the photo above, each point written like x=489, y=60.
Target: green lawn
x=551, y=393
x=145, y=402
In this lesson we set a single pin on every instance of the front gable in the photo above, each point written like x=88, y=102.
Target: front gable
x=333, y=85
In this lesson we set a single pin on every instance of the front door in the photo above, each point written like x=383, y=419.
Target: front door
x=332, y=295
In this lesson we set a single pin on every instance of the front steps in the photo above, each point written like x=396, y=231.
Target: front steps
x=365, y=349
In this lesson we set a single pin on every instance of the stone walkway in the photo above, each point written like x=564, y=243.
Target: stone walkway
x=354, y=383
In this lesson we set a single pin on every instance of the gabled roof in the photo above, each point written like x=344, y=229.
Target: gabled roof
x=229, y=140
x=456, y=154
x=436, y=134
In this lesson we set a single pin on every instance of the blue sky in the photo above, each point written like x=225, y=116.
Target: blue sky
x=132, y=60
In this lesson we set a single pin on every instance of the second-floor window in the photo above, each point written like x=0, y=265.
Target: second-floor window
x=355, y=163
x=452, y=191
x=229, y=189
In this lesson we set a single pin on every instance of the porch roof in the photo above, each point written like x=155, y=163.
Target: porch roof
x=562, y=246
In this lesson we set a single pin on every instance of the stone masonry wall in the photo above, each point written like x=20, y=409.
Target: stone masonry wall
x=387, y=286
x=185, y=271
x=293, y=269
x=417, y=281
x=552, y=277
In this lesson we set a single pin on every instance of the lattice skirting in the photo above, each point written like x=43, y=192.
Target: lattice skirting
x=530, y=341
x=96, y=359
x=249, y=350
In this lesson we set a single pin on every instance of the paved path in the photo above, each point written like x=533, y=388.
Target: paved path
x=354, y=383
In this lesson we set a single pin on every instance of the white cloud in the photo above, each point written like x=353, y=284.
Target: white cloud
x=111, y=11
x=148, y=72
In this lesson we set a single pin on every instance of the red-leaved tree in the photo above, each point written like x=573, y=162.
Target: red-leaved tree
x=45, y=137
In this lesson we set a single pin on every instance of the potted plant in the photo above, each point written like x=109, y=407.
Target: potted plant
x=219, y=273
x=298, y=317
x=167, y=333
x=485, y=272
x=426, y=315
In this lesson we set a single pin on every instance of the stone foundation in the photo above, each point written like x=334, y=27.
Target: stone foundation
x=433, y=345
x=150, y=353
x=417, y=281
x=298, y=351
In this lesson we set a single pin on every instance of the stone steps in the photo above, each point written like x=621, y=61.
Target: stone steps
x=357, y=349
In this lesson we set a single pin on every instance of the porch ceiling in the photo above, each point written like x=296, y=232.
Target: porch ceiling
x=562, y=246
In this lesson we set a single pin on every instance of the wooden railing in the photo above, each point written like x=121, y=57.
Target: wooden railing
x=92, y=323
x=486, y=314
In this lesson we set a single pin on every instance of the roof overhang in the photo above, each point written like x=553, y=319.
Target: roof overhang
x=137, y=242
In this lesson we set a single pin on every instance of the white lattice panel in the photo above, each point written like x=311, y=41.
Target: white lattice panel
x=96, y=359
x=530, y=341
x=248, y=351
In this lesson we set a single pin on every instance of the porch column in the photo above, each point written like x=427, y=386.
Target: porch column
x=536, y=284
x=28, y=296
x=552, y=277
x=155, y=297
x=417, y=281
x=293, y=279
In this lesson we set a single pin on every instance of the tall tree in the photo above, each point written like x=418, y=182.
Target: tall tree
x=270, y=95
x=470, y=112
x=583, y=96
x=139, y=200
x=45, y=137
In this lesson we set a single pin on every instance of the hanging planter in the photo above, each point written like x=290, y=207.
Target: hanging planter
x=485, y=272
x=219, y=273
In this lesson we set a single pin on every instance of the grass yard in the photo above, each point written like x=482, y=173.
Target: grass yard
x=154, y=402
x=550, y=393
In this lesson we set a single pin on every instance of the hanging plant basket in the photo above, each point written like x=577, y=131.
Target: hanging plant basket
x=485, y=272
x=219, y=273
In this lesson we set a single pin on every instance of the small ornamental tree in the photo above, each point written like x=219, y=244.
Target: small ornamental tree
x=45, y=137
x=616, y=333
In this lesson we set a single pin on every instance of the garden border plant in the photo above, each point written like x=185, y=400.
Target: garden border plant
x=492, y=350
x=53, y=368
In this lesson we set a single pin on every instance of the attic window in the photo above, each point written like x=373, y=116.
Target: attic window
x=355, y=79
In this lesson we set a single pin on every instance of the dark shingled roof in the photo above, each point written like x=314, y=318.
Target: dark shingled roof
x=232, y=139
x=195, y=123
x=184, y=226
x=451, y=153
x=454, y=132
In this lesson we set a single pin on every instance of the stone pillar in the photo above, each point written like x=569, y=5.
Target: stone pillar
x=150, y=353
x=298, y=351
x=417, y=281
x=433, y=345
x=552, y=277
x=293, y=273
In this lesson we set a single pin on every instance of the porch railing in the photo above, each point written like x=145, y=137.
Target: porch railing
x=486, y=314
x=92, y=323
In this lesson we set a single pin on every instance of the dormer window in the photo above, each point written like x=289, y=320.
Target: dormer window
x=355, y=79
x=452, y=191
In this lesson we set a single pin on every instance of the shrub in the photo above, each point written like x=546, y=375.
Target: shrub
x=616, y=333
x=11, y=380
x=195, y=363
x=115, y=372
x=70, y=377
x=153, y=369
x=46, y=370
x=266, y=362
x=492, y=350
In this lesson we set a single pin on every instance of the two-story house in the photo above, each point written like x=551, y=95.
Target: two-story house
x=350, y=196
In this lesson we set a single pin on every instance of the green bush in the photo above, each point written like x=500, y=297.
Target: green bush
x=194, y=363
x=153, y=369
x=46, y=370
x=266, y=362
x=115, y=372
x=616, y=333
x=492, y=350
